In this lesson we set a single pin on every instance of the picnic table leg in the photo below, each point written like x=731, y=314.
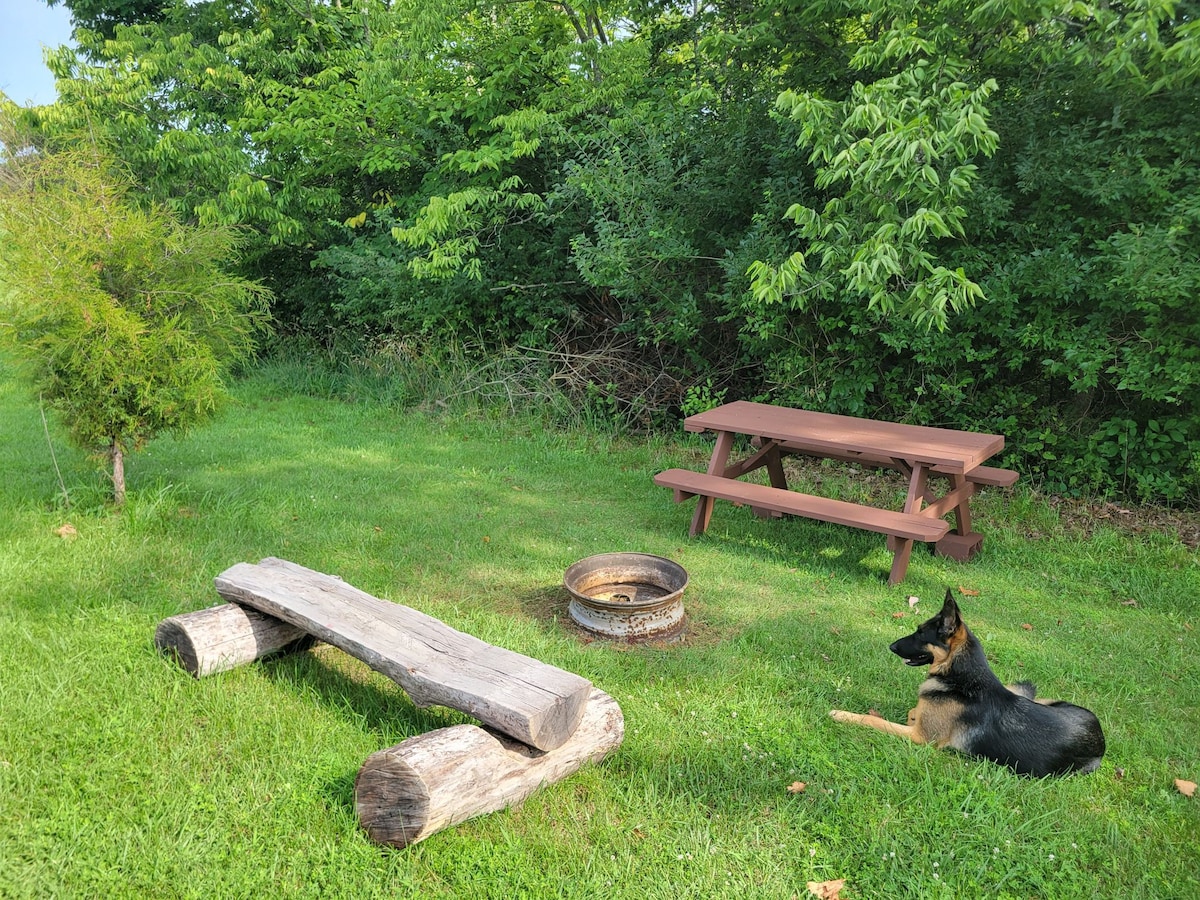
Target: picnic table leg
x=902, y=552
x=962, y=512
x=774, y=465
x=962, y=543
x=716, y=466
x=775, y=469
x=918, y=485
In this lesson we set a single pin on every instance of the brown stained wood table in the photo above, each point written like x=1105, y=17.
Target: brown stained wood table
x=929, y=457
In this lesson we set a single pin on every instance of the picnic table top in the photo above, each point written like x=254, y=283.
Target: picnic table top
x=946, y=449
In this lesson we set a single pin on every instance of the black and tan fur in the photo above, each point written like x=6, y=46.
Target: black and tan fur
x=964, y=706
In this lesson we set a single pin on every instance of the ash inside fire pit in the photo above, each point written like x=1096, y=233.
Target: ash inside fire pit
x=627, y=596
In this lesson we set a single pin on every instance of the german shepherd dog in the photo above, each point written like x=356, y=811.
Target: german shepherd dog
x=964, y=706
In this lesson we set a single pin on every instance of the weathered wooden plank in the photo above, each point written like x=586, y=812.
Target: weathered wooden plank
x=223, y=637
x=434, y=780
x=529, y=700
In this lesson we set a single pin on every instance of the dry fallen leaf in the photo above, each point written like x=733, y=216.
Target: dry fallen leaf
x=1187, y=788
x=898, y=615
x=1027, y=626
x=66, y=530
x=826, y=890
x=967, y=592
x=797, y=787
x=1129, y=602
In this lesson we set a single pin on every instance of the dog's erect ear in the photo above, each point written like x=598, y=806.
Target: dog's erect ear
x=950, y=617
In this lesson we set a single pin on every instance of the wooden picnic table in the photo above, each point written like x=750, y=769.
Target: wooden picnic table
x=929, y=457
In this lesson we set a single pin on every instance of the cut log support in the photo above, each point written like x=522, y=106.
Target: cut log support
x=434, y=780
x=223, y=637
x=536, y=703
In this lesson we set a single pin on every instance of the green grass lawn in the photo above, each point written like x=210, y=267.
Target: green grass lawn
x=122, y=776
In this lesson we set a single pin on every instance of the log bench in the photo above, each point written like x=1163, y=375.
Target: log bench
x=540, y=723
x=925, y=455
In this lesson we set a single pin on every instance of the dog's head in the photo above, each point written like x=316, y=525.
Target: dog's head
x=934, y=641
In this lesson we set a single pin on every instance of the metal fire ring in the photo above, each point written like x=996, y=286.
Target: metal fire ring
x=627, y=596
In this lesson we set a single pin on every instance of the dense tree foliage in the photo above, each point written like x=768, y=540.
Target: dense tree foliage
x=968, y=214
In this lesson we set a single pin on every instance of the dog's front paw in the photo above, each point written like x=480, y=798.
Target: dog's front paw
x=840, y=715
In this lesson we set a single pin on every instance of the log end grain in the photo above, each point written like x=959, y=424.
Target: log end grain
x=173, y=638
x=562, y=719
x=391, y=793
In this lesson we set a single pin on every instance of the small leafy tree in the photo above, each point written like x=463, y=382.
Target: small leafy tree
x=125, y=319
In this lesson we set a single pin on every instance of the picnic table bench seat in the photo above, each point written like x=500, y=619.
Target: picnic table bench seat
x=911, y=526
x=989, y=476
x=993, y=477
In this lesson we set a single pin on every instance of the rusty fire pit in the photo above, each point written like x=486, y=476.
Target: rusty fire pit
x=627, y=596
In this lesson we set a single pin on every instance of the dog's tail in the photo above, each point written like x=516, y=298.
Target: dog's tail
x=1026, y=689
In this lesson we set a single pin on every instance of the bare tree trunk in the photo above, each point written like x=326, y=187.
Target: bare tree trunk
x=118, y=473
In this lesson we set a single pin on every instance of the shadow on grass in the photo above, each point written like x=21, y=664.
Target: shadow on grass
x=376, y=704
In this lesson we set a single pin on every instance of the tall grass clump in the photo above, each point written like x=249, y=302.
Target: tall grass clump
x=612, y=388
